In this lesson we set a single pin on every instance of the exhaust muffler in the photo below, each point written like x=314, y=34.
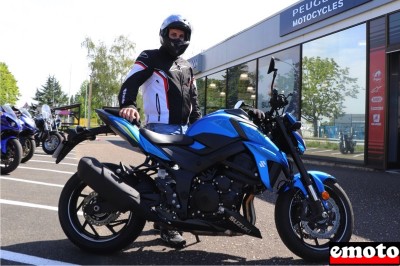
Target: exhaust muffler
x=108, y=185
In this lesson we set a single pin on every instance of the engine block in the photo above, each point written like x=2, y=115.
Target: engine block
x=211, y=191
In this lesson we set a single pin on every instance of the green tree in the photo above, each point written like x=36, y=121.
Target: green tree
x=324, y=89
x=81, y=97
x=51, y=93
x=108, y=66
x=237, y=85
x=9, y=91
x=215, y=100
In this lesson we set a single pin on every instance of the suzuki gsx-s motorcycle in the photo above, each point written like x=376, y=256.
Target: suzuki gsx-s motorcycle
x=204, y=182
x=11, y=149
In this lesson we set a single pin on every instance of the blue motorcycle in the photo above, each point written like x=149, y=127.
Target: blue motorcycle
x=27, y=134
x=11, y=149
x=205, y=182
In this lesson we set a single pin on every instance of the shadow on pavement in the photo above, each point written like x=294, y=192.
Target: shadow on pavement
x=136, y=254
x=375, y=197
x=374, y=194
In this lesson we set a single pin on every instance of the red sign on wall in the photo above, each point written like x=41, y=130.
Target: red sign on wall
x=377, y=107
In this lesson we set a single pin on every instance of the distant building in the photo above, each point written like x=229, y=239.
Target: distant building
x=361, y=36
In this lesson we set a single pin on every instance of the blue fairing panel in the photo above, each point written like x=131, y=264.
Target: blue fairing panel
x=300, y=142
x=150, y=148
x=131, y=133
x=214, y=123
x=262, y=155
x=197, y=146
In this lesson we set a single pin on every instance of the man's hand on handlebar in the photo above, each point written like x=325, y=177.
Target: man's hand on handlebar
x=130, y=114
x=258, y=113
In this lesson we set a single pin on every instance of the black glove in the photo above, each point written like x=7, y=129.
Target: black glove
x=256, y=113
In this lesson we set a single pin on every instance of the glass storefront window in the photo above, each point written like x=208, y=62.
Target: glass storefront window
x=201, y=93
x=216, y=92
x=394, y=29
x=287, y=79
x=242, y=84
x=333, y=93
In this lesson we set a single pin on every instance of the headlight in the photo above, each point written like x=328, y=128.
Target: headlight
x=11, y=122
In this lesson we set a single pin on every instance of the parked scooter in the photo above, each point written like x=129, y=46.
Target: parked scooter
x=11, y=149
x=46, y=135
x=346, y=143
x=27, y=135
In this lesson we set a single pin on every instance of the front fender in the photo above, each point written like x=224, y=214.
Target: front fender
x=4, y=143
x=317, y=176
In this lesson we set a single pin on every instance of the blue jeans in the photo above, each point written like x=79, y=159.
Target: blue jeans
x=168, y=129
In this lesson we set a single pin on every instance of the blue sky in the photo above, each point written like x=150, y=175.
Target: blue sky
x=43, y=37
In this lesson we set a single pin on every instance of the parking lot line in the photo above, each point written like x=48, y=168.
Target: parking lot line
x=30, y=181
x=48, y=170
x=31, y=260
x=40, y=161
x=27, y=204
x=42, y=155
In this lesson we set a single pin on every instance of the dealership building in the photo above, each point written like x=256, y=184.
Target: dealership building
x=340, y=60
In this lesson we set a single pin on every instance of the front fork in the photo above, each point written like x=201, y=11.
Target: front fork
x=308, y=184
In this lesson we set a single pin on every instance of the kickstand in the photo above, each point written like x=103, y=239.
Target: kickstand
x=197, y=238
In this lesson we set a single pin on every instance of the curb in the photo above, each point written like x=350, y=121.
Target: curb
x=343, y=164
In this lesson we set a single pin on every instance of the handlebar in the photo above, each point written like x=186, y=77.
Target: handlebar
x=278, y=101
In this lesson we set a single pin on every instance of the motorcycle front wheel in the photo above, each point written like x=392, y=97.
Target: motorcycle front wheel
x=310, y=240
x=91, y=223
x=51, y=143
x=28, y=149
x=342, y=149
x=12, y=158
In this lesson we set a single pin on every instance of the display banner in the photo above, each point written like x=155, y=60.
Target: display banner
x=311, y=11
x=197, y=63
x=377, y=107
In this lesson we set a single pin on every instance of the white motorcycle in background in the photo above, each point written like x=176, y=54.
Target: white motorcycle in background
x=47, y=135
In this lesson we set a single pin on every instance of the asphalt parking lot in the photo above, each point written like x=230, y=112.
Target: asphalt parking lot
x=31, y=234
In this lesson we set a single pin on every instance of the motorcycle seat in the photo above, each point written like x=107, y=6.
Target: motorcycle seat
x=163, y=139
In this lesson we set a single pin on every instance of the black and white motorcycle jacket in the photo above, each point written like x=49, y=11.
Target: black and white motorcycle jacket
x=169, y=90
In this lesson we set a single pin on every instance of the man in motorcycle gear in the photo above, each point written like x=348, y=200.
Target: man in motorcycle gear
x=168, y=86
x=169, y=91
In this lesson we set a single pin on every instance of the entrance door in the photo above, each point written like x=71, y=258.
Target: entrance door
x=393, y=142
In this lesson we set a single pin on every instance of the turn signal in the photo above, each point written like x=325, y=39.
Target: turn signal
x=325, y=195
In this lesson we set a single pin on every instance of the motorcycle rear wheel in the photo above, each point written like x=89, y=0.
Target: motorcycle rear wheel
x=51, y=143
x=28, y=149
x=308, y=240
x=103, y=232
x=12, y=158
